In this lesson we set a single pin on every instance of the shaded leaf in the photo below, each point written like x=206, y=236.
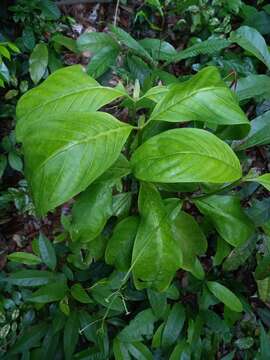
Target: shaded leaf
x=38, y=62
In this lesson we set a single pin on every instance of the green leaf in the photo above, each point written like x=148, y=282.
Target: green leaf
x=120, y=245
x=227, y=216
x=79, y=294
x=15, y=161
x=156, y=255
x=121, y=204
x=205, y=97
x=173, y=325
x=141, y=326
x=264, y=343
x=182, y=351
x=159, y=49
x=102, y=61
x=259, y=133
x=225, y=295
x=264, y=289
x=89, y=143
x=206, y=47
x=47, y=252
x=96, y=41
x=190, y=239
x=176, y=156
x=50, y=9
x=223, y=250
x=65, y=41
x=31, y=278
x=49, y=293
x=158, y=302
x=263, y=180
x=252, y=41
x=128, y=41
x=91, y=211
x=66, y=90
x=139, y=351
x=30, y=338
x=24, y=258
x=3, y=164
x=253, y=86
x=71, y=335
x=263, y=268
x=120, y=350
x=38, y=62
x=117, y=170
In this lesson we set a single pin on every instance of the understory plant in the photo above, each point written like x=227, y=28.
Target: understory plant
x=143, y=200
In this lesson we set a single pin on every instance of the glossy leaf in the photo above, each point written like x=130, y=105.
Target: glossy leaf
x=176, y=156
x=66, y=90
x=205, y=97
x=225, y=296
x=156, y=256
x=38, y=62
x=259, y=133
x=190, y=239
x=47, y=252
x=225, y=212
x=63, y=166
x=24, y=258
x=120, y=245
x=252, y=41
x=91, y=211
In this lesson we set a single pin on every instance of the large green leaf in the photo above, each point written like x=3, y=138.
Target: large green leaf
x=225, y=295
x=91, y=211
x=119, y=248
x=251, y=40
x=253, y=86
x=259, y=133
x=190, y=238
x=177, y=156
x=205, y=97
x=156, y=255
x=225, y=212
x=38, y=62
x=66, y=90
x=71, y=151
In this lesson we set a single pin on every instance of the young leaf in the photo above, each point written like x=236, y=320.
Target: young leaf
x=119, y=248
x=174, y=325
x=156, y=255
x=259, y=133
x=24, y=258
x=225, y=296
x=89, y=143
x=91, y=211
x=66, y=90
x=263, y=180
x=47, y=252
x=176, y=156
x=225, y=212
x=38, y=62
x=252, y=41
x=205, y=97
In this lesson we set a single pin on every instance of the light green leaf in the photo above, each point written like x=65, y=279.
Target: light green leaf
x=63, y=166
x=128, y=41
x=177, y=156
x=102, y=61
x=91, y=211
x=205, y=97
x=252, y=41
x=121, y=204
x=225, y=295
x=79, y=294
x=47, y=252
x=49, y=293
x=259, y=133
x=173, y=325
x=253, y=86
x=263, y=180
x=38, y=62
x=160, y=50
x=24, y=258
x=156, y=255
x=119, y=248
x=96, y=41
x=190, y=239
x=225, y=212
x=119, y=169
x=66, y=90
x=65, y=41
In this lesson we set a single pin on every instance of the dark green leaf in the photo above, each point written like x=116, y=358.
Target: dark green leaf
x=71, y=335
x=174, y=325
x=47, y=252
x=49, y=293
x=80, y=294
x=31, y=278
x=38, y=62
x=225, y=296
x=30, y=338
